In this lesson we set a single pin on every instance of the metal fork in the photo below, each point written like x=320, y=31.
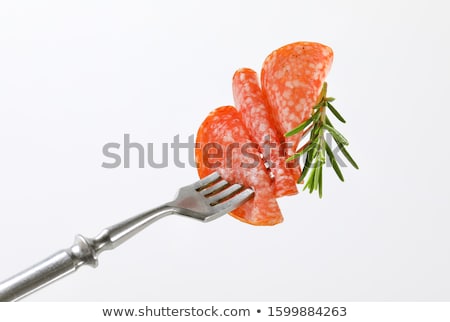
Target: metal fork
x=205, y=200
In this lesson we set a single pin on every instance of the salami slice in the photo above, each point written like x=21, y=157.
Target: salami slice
x=291, y=79
x=223, y=144
x=257, y=118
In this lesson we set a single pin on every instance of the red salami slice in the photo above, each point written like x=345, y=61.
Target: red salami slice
x=257, y=118
x=291, y=78
x=225, y=145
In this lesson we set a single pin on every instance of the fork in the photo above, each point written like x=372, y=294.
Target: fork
x=204, y=200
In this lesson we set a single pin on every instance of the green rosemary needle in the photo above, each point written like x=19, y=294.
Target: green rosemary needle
x=317, y=150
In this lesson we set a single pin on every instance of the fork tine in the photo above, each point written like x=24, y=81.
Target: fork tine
x=209, y=198
x=225, y=193
x=203, y=183
x=214, y=188
x=234, y=202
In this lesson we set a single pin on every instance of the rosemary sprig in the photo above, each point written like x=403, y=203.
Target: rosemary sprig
x=317, y=149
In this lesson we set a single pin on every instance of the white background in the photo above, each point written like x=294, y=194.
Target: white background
x=77, y=75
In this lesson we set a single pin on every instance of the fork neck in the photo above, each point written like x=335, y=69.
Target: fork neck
x=115, y=235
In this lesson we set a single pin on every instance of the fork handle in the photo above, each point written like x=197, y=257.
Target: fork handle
x=83, y=251
x=47, y=271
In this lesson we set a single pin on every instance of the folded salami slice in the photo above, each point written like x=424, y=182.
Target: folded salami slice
x=257, y=118
x=291, y=79
x=224, y=144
